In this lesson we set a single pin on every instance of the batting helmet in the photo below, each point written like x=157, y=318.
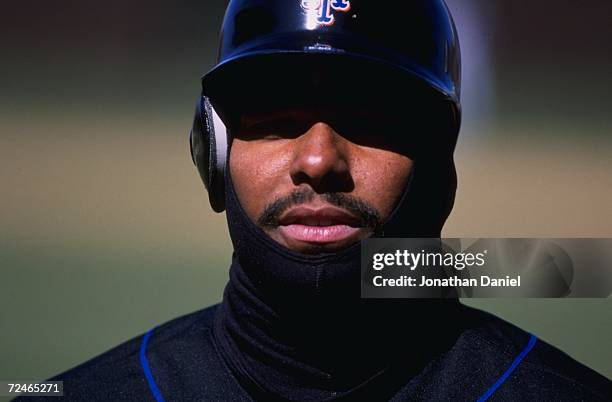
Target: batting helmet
x=333, y=44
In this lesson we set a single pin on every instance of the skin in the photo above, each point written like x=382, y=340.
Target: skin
x=276, y=153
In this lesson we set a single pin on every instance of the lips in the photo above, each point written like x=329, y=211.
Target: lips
x=319, y=226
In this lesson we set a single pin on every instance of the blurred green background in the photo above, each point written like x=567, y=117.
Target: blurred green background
x=105, y=228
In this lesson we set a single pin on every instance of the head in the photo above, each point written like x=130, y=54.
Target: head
x=320, y=153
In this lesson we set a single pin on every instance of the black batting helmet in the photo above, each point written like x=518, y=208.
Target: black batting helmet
x=333, y=44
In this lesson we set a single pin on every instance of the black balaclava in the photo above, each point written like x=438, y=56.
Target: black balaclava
x=293, y=326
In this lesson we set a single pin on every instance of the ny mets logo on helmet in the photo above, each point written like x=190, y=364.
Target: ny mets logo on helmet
x=324, y=9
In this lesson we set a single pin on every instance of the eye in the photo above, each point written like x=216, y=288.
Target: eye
x=272, y=129
x=272, y=137
x=389, y=132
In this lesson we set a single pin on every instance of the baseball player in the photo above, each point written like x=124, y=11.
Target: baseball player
x=325, y=122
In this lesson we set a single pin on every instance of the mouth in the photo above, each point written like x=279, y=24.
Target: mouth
x=322, y=226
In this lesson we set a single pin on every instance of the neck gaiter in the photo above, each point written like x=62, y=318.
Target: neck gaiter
x=293, y=326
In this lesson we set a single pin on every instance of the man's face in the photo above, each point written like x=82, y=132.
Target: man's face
x=318, y=182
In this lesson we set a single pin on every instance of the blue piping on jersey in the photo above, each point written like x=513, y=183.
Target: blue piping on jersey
x=147, y=370
x=159, y=397
x=507, y=373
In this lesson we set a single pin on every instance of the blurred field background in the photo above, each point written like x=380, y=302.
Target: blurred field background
x=105, y=229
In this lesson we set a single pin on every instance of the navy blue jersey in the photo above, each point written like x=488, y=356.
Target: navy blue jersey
x=179, y=361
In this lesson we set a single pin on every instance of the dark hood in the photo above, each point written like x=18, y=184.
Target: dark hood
x=293, y=326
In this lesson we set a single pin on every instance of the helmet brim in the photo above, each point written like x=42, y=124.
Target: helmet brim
x=260, y=74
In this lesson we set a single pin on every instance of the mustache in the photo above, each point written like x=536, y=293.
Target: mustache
x=369, y=216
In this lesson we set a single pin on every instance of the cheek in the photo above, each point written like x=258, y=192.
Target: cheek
x=257, y=173
x=381, y=177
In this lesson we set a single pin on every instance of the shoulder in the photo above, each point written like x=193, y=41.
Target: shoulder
x=154, y=360
x=495, y=360
x=528, y=368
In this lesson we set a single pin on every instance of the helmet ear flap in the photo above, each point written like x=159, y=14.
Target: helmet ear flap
x=208, y=142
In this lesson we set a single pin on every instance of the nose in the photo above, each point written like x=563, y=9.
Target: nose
x=321, y=160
